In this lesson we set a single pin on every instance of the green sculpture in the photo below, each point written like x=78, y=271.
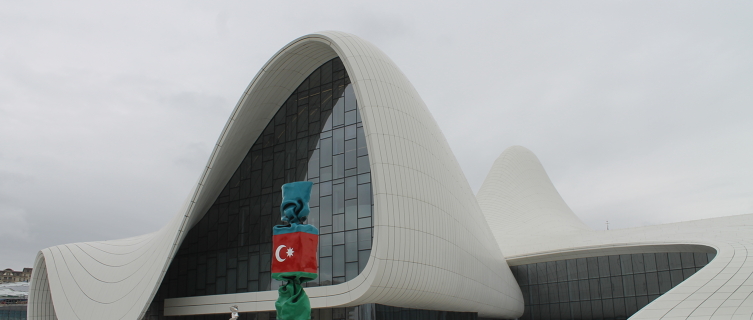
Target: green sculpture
x=294, y=246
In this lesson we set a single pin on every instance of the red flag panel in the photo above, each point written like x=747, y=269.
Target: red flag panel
x=294, y=252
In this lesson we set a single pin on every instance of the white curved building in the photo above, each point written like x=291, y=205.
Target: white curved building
x=654, y=272
x=402, y=235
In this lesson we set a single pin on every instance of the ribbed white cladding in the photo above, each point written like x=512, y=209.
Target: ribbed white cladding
x=523, y=201
x=432, y=248
x=532, y=224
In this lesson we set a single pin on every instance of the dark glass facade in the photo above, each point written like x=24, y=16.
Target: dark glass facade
x=604, y=287
x=362, y=312
x=317, y=135
x=13, y=312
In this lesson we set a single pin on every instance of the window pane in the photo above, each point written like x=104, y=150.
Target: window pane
x=700, y=260
x=582, y=268
x=325, y=152
x=563, y=294
x=665, y=282
x=687, y=260
x=621, y=307
x=572, y=270
x=575, y=311
x=573, y=290
x=533, y=275
x=364, y=239
x=325, y=174
x=541, y=271
x=628, y=284
x=338, y=261
x=615, y=266
x=338, y=113
x=649, y=261
x=585, y=293
x=351, y=270
x=363, y=165
x=686, y=273
x=338, y=238
x=325, y=211
x=662, y=262
x=561, y=270
x=364, y=200
x=350, y=117
x=338, y=166
x=593, y=286
x=351, y=188
x=350, y=98
x=553, y=292
x=618, y=289
x=638, y=266
x=596, y=309
x=605, y=287
x=652, y=283
x=607, y=308
x=363, y=259
x=674, y=260
x=551, y=271
x=351, y=246
x=626, y=263
x=351, y=214
x=338, y=198
x=630, y=305
x=325, y=245
x=364, y=178
x=544, y=293
x=361, y=142
x=325, y=271
x=640, y=301
x=338, y=222
x=640, y=284
x=364, y=223
x=603, y=266
x=350, y=154
x=593, y=267
x=585, y=310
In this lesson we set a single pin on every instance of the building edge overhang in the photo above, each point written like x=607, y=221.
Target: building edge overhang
x=518, y=191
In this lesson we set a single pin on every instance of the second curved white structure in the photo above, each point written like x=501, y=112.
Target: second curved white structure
x=533, y=224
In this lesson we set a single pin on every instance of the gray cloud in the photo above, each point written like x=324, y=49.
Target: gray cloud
x=639, y=111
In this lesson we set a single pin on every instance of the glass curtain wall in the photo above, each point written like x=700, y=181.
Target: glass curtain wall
x=317, y=135
x=362, y=312
x=605, y=287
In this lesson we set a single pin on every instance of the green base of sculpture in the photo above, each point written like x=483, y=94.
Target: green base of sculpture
x=293, y=303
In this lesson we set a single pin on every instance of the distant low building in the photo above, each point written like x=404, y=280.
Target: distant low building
x=8, y=275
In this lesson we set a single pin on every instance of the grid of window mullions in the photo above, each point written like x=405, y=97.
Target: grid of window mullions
x=341, y=205
x=317, y=135
x=606, y=287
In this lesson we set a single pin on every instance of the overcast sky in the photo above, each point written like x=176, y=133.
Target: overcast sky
x=641, y=112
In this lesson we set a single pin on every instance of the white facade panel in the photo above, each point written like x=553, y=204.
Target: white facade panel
x=432, y=248
x=518, y=195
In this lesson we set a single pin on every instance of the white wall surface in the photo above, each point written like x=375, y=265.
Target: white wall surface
x=432, y=247
x=533, y=224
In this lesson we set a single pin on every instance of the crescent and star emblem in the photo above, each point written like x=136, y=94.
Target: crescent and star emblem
x=289, y=252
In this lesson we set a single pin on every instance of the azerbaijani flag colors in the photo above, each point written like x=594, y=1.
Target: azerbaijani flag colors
x=294, y=248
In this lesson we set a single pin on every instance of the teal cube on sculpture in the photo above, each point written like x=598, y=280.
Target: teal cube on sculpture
x=295, y=201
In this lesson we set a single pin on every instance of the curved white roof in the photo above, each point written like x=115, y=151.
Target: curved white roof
x=432, y=247
x=524, y=201
x=532, y=224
